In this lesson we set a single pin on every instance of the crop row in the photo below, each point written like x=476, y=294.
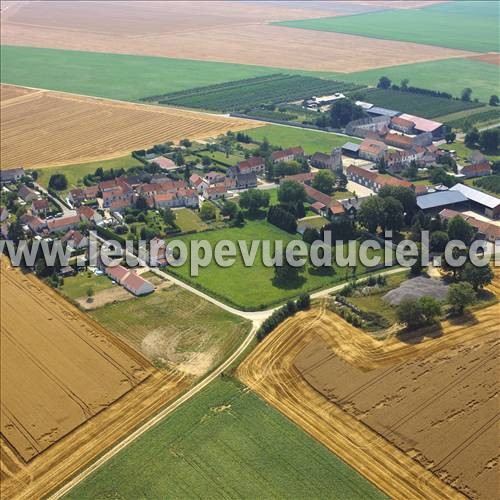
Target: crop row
x=255, y=92
x=415, y=104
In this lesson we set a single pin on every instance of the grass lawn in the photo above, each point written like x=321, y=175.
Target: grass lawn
x=75, y=173
x=252, y=287
x=117, y=76
x=75, y=287
x=463, y=151
x=188, y=220
x=468, y=26
x=310, y=140
x=219, y=156
x=448, y=75
x=225, y=443
x=176, y=328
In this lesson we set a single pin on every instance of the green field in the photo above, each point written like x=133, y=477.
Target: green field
x=482, y=117
x=241, y=95
x=75, y=287
x=225, y=443
x=251, y=288
x=116, y=76
x=175, y=327
x=458, y=25
x=448, y=75
x=415, y=104
x=310, y=140
x=75, y=173
x=187, y=220
x=463, y=151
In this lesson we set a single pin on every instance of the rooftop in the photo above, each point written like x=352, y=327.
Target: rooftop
x=422, y=124
x=440, y=199
x=476, y=195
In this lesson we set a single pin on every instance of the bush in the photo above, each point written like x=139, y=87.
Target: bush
x=58, y=182
x=282, y=219
x=418, y=312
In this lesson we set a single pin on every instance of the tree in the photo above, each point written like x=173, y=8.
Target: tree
x=404, y=195
x=438, y=175
x=287, y=274
x=418, y=312
x=343, y=111
x=324, y=181
x=371, y=213
x=438, y=241
x=393, y=214
x=169, y=217
x=342, y=229
x=341, y=181
x=90, y=293
x=282, y=218
x=495, y=167
x=411, y=172
x=384, y=83
x=207, y=211
x=471, y=138
x=253, y=200
x=310, y=235
x=229, y=209
x=488, y=140
x=304, y=301
x=450, y=137
x=206, y=161
x=460, y=229
x=58, y=182
x=404, y=83
x=141, y=203
x=382, y=165
x=494, y=100
x=178, y=158
x=460, y=295
x=226, y=142
x=292, y=196
x=466, y=94
x=478, y=277
x=186, y=143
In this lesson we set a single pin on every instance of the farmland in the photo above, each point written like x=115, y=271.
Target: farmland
x=481, y=118
x=63, y=128
x=225, y=442
x=254, y=92
x=251, y=288
x=416, y=104
x=448, y=75
x=175, y=328
x=400, y=394
x=80, y=377
x=439, y=25
x=310, y=140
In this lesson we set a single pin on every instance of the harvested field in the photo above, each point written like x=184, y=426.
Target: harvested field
x=313, y=367
x=66, y=367
x=82, y=389
x=10, y=92
x=491, y=58
x=58, y=128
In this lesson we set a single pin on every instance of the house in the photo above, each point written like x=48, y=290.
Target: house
x=119, y=205
x=371, y=149
x=63, y=223
x=318, y=207
x=434, y=202
x=75, y=239
x=215, y=192
x=27, y=194
x=11, y=175
x=157, y=252
x=88, y=214
x=189, y=197
x=476, y=170
x=164, y=163
x=164, y=200
x=137, y=285
x=214, y=177
x=399, y=141
x=129, y=280
x=40, y=206
x=486, y=230
x=374, y=180
x=256, y=164
x=402, y=125
x=196, y=182
x=33, y=222
x=287, y=154
x=332, y=208
x=321, y=160
x=304, y=178
x=423, y=125
x=484, y=203
x=246, y=180
x=396, y=161
x=78, y=196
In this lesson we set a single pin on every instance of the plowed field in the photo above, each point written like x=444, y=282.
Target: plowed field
x=51, y=128
x=69, y=388
x=414, y=415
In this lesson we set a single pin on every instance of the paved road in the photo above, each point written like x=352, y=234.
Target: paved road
x=65, y=210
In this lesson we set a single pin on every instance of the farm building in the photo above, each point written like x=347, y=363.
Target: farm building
x=287, y=154
x=351, y=149
x=372, y=150
x=476, y=170
x=486, y=230
x=434, y=202
x=374, y=180
x=11, y=175
x=402, y=125
x=378, y=111
x=423, y=125
x=484, y=203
